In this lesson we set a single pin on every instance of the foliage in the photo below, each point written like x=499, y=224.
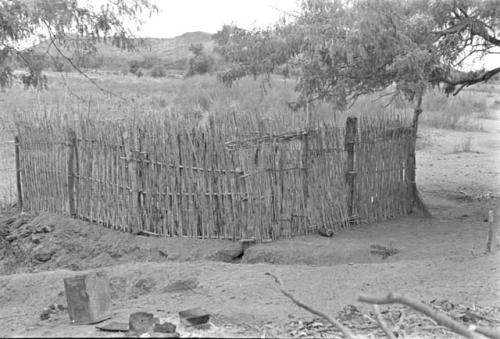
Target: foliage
x=344, y=49
x=6, y=77
x=87, y=60
x=158, y=71
x=6, y=74
x=201, y=62
x=35, y=63
x=67, y=26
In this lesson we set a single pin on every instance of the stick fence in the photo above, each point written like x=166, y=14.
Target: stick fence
x=216, y=182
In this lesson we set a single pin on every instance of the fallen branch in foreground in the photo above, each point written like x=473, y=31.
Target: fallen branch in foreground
x=382, y=323
x=347, y=332
x=441, y=318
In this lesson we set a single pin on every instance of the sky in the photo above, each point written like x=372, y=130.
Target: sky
x=180, y=16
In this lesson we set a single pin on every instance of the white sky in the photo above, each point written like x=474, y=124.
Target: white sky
x=180, y=16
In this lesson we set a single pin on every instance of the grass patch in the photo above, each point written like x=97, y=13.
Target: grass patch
x=455, y=113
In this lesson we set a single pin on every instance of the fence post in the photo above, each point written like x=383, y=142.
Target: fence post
x=305, y=157
x=130, y=148
x=491, y=243
x=350, y=140
x=18, y=175
x=71, y=172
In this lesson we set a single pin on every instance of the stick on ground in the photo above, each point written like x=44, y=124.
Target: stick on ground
x=347, y=332
x=441, y=318
x=382, y=323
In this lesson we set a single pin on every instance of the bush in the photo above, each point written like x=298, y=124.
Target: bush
x=60, y=65
x=133, y=66
x=158, y=71
x=6, y=77
x=201, y=62
x=87, y=60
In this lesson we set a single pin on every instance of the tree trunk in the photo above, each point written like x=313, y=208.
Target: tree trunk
x=417, y=199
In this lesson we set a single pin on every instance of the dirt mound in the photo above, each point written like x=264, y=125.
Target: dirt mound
x=47, y=241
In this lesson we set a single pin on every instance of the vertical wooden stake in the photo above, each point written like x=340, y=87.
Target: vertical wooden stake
x=140, y=175
x=491, y=244
x=18, y=175
x=351, y=129
x=305, y=157
x=130, y=148
x=71, y=172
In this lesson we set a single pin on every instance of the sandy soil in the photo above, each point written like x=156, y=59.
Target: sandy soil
x=441, y=257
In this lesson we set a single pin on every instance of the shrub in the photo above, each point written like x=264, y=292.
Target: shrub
x=60, y=65
x=134, y=66
x=201, y=62
x=158, y=71
x=6, y=77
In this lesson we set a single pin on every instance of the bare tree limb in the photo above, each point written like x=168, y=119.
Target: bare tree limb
x=347, y=332
x=439, y=317
x=462, y=79
x=93, y=82
x=382, y=323
x=476, y=28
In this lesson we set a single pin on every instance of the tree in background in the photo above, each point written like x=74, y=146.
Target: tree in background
x=344, y=49
x=201, y=62
x=67, y=26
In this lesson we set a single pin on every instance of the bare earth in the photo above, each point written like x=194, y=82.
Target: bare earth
x=441, y=257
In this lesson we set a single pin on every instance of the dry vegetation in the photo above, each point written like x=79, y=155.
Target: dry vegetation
x=126, y=96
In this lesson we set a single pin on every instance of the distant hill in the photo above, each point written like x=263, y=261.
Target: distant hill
x=173, y=52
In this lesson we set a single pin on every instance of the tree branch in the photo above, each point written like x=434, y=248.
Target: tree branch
x=455, y=78
x=476, y=28
x=93, y=82
x=382, y=323
x=347, y=332
x=439, y=317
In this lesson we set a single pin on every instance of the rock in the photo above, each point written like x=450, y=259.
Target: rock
x=163, y=253
x=43, y=229
x=326, y=232
x=166, y=327
x=143, y=286
x=194, y=317
x=42, y=254
x=19, y=222
x=45, y=314
x=181, y=285
x=35, y=239
x=7, y=221
x=25, y=232
x=4, y=230
x=141, y=322
x=88, y=298
x=228, y=255
x=11, y=238
x=164, y=335
x=174, y=256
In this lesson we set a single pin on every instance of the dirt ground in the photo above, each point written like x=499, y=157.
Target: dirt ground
x=442, y=257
